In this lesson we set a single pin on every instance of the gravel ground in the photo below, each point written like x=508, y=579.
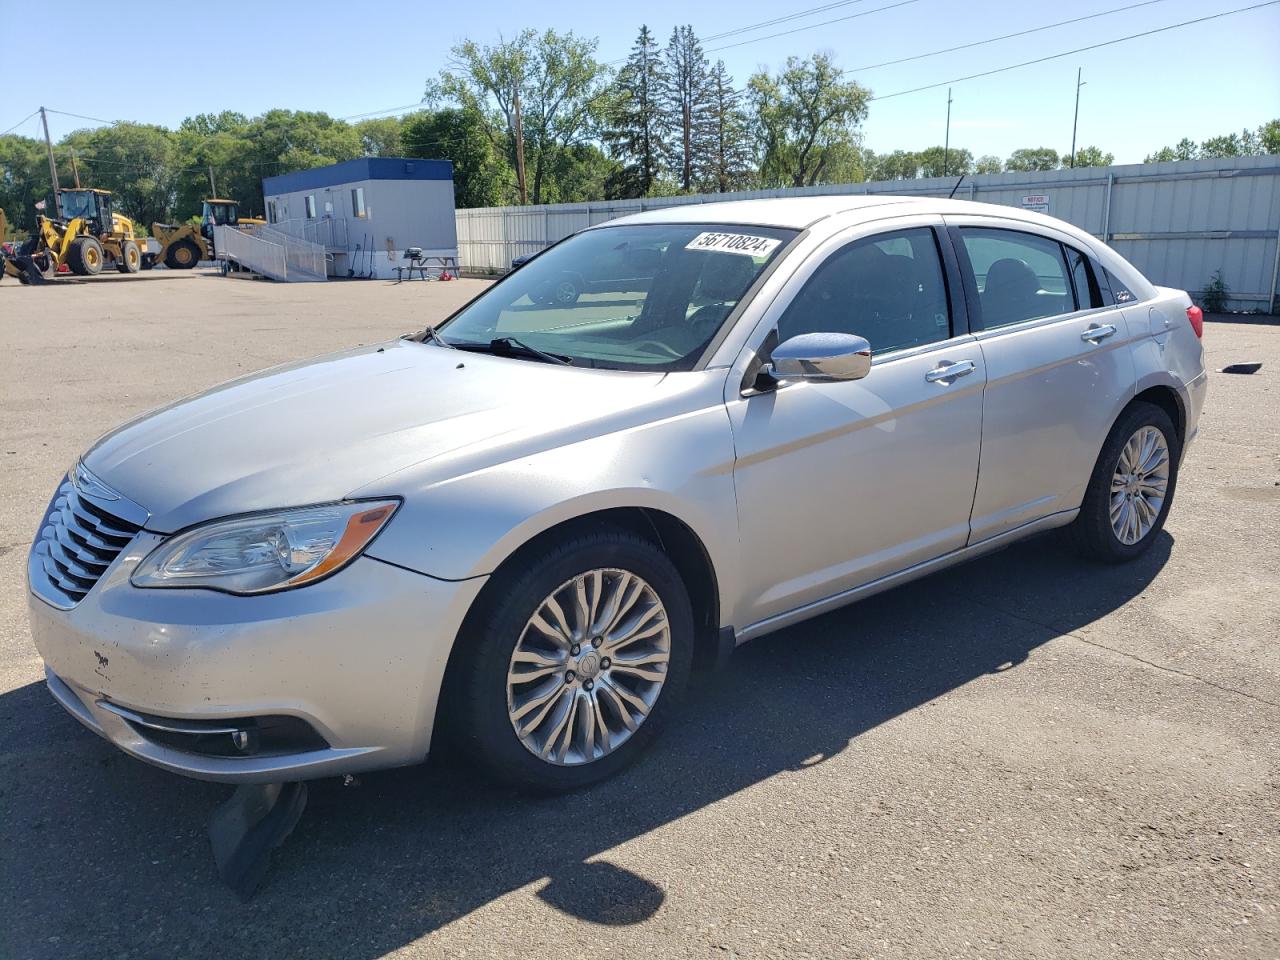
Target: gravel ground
x=1022, y=757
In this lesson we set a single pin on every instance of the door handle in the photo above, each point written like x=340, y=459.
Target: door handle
x=1097, y=333
x=947, y=371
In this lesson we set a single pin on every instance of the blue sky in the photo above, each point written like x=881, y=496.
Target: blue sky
x=347, y=58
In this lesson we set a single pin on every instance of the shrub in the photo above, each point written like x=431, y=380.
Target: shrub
x=1214, y=296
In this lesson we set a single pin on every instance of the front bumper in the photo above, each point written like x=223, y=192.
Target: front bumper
x=358, y=657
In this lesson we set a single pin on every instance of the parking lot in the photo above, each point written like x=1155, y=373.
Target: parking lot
x=1026, y=756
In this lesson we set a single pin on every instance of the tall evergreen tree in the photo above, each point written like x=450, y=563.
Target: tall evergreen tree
x=687, y=100
x=637, y=128
x=732, y=154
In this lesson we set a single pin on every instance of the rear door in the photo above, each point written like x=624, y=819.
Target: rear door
x=1059, y=368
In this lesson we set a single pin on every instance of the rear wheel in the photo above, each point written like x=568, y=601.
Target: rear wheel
x=85, y=257
x=183, y=255
x=574, y=663
x=1132, y=486
x=130, y=258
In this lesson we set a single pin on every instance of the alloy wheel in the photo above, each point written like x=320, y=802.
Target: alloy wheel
x=1139, y=485
x=588, y=667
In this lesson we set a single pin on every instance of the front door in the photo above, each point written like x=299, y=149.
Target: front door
x=840, y=484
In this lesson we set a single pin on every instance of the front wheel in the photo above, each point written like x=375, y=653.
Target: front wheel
x=1132, y=486
x=574, y=663
x=130, y=258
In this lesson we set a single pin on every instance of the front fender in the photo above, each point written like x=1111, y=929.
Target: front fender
x=467, y=525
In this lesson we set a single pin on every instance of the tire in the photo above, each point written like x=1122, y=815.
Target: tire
x=183, y=255
x=85, y=257
x=481, y=699
x=130, y=258
x=1093, y=532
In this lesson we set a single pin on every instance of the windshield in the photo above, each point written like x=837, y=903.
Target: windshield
x=222, y=214
x=78, y=204
x=642, y=297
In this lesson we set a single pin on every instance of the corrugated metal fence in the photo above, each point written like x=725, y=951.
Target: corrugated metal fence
x=1176, y=222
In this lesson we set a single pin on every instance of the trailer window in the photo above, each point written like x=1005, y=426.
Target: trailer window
x=357, y=202
x=311, y=206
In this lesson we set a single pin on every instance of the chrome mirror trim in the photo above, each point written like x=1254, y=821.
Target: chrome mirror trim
x=821, y=358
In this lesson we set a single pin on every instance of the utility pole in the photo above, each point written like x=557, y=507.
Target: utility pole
x=53, y=166
x=521, y=183
x=213, y=187
x=1076, y=121
x=946, y=144
x=75, y=169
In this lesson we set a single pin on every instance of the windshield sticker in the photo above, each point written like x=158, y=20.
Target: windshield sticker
x=739, y=243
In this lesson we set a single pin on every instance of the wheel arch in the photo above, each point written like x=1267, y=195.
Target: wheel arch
x=1167, y=398
x=675, y=538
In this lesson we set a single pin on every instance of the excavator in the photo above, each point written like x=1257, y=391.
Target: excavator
x=86, y=237
x=182, y=245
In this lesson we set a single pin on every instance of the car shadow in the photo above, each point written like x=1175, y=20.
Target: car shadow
x=101, y=850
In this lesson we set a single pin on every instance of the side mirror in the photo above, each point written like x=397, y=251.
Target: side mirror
x=821, y=358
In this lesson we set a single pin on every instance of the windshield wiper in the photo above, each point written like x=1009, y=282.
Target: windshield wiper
x=510, y=346
x=429, y=333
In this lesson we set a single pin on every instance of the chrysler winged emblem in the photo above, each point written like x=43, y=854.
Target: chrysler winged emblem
x=90, y=485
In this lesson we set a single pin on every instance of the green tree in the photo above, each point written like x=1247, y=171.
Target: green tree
x=899, y=165
x=1089, y=157
x=988, y=163
x=380, y=137
x=1032, y=159
x=958, y=161
x=482, y=176
x=1269, y=137
x=1185, y=149
x=686, y=100
x=730, y=163
x=636, y=128
x=138, y=163
x=807, y=121
x=24, y=180
x=537, y=93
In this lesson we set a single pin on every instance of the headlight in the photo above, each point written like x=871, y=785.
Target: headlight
x=266, y=551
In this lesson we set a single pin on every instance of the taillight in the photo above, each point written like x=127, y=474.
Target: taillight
x=1196, y=316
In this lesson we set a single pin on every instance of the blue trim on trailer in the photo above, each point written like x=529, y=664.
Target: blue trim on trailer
x=357, y=171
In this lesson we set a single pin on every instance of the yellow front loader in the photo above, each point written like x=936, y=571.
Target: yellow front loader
x=87, y=237
x=182, y=245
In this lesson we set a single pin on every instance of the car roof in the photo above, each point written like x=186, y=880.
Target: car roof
x=797, y=213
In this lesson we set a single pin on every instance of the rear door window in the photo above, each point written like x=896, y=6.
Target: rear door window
x=1088, y=294
x=1020, y=276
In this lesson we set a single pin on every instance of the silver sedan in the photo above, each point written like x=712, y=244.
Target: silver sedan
x=520, y=530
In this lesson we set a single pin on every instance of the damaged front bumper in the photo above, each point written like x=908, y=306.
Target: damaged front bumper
x=337, y=677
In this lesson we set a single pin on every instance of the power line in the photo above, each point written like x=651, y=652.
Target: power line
x=376, y=113
x=800, y=14
x=81, y=116
x=1068, y=53
x=1006, y=36
x=20, y=122
x=811, y=26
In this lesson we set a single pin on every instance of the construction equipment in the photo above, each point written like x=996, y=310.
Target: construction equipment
x=87, y=237
x=90, y=235
x=183, y=245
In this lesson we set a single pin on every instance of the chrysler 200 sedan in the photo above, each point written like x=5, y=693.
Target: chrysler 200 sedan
x=519, y=530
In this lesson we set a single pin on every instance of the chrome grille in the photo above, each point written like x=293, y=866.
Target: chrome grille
x=77, y=542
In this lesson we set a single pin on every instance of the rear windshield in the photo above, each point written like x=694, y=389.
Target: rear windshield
x=642, y=297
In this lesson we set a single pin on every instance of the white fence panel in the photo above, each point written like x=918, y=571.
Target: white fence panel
x=1177, y=222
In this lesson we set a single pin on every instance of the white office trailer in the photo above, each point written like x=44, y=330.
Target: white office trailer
x=368, y=212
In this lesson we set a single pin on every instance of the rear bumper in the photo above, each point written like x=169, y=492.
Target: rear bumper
x=1197, y=390
x=358, y=659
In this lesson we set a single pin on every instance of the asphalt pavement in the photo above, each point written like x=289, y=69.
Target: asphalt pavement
x=1027, y=756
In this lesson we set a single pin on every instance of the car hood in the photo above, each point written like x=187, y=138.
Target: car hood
x=316, y=431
